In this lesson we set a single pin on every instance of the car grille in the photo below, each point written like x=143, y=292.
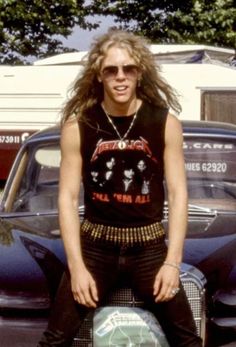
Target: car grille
x=195, y=293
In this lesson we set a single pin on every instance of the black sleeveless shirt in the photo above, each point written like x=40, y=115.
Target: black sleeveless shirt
x=123, y=187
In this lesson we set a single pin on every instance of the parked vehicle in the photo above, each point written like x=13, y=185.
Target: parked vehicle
x=31, y=97
x=31, y=252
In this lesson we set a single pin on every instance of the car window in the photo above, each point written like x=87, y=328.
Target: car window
x=38, y=190
x=48, y=161
x=211, y=166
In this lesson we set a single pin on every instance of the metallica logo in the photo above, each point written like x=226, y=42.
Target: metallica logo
x=133, y=145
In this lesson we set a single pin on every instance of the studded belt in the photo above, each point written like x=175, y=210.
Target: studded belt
x=123, y=236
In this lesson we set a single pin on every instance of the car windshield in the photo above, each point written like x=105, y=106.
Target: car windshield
x=210, y=166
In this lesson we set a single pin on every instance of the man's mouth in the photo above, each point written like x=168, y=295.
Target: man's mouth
x=120, y=88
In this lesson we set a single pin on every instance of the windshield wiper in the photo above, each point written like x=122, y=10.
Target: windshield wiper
x=194, y=210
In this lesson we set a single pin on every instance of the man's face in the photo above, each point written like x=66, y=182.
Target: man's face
x=129, y=173
x=110, y=163
x=119, y=74
x=141, y=165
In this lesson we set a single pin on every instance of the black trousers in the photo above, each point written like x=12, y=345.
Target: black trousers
x=109, y=265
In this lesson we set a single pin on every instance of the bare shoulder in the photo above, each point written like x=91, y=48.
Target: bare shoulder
x=70, y=136
x=173, y=122
x=70, y=127
x=173, y=129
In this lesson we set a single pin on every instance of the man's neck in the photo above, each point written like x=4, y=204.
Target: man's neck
x=116, y=109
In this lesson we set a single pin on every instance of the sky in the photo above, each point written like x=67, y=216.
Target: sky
x=82, y=39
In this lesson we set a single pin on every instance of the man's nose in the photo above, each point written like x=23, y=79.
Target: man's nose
x=120, y=73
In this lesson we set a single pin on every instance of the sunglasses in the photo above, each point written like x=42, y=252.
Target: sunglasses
x=111, y=71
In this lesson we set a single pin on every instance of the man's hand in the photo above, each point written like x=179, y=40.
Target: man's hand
x=84, y=287
x=166, y=283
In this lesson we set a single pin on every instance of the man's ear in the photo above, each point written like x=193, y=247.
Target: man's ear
x=99, y=78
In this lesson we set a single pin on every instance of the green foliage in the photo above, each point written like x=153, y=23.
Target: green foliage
x=190, y=21
x=32, y=27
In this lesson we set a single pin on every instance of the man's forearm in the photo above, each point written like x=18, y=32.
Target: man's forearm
x=177, y=227
x=70, y=233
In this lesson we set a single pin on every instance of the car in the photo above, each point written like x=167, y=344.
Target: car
x=31, y=251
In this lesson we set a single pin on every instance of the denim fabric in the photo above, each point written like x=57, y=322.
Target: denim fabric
x=138, y=268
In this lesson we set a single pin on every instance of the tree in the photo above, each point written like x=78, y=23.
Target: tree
x=210, y=22
x=34, y=27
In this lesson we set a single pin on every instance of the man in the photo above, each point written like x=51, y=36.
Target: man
x=119, y=109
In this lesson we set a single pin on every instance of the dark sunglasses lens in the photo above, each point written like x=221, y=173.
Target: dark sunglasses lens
x=110, y=71
x=130, y=70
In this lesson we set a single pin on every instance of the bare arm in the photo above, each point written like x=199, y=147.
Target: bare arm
x=83, y=286
x=168, y=276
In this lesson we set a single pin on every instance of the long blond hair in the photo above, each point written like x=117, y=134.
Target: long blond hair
x=88, y=91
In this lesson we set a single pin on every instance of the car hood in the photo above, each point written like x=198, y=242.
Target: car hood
x=210, y=246
x=32, y=261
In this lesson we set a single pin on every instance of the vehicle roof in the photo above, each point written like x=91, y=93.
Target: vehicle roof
x=192, y=127
x=209, y=127
x=171, y=53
